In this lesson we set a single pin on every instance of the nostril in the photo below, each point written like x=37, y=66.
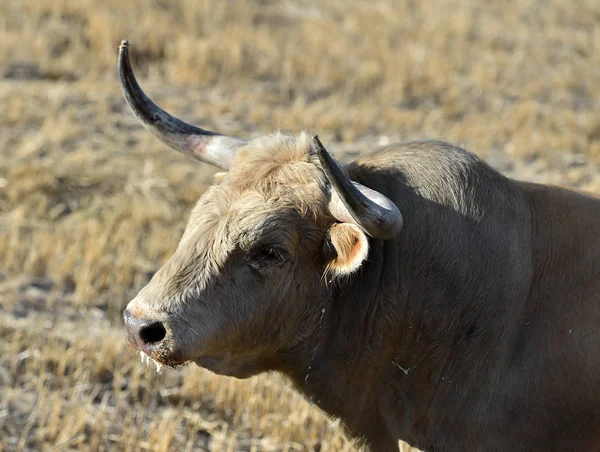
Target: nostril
x=153, y=333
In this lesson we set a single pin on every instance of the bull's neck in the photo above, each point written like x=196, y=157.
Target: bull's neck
x=425, y=326
x=350, y=348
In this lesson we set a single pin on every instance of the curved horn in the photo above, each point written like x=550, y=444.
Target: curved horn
x=206, y=146
x=352, y=202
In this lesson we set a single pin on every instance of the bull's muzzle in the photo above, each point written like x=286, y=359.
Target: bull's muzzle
x=143, y=334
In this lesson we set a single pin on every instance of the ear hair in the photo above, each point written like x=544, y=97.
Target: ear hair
x=346, y=248
x=218, y=177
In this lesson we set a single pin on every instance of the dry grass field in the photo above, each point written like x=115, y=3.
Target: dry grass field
x=91, y=205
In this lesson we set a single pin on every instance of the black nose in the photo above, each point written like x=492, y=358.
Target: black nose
x=143, y=332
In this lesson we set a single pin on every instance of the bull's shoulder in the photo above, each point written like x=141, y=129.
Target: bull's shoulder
x=565, y=233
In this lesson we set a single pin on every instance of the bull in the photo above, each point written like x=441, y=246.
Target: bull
x=415, y=294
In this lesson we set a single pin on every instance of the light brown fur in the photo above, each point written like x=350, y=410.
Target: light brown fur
x=351, y=248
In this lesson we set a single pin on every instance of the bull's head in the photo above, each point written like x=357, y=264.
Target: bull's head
x=252, y=271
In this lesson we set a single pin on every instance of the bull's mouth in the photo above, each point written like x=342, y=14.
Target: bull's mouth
x=216, y=364
x=160, y=363
x=165, y=354
x=161, y=359
x=160, y=356
x=146, y=359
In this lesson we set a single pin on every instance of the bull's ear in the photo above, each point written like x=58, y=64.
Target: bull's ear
x=218, y=177
x=346, y=247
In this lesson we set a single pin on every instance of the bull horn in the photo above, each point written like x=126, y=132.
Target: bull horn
x=206, y=146
x=352, y=202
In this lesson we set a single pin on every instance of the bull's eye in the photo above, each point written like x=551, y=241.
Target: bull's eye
x=265, y=257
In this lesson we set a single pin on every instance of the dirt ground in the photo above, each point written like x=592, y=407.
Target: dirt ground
x=91, y=205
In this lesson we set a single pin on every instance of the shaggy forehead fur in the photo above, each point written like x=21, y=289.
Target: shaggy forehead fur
x=280, y=168
x=275, y=172
x=273, y=180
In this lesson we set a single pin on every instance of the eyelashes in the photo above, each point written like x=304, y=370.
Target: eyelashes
x=266, y=257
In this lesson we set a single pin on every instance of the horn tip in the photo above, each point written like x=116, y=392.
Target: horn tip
x=317, y=147
x=124, y=44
